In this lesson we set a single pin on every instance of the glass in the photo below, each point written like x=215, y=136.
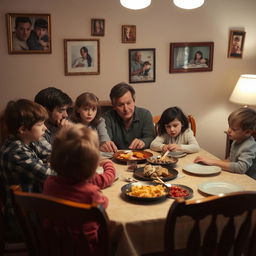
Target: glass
x=131, y=165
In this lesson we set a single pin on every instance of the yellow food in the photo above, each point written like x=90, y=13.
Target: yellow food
x=147, y=191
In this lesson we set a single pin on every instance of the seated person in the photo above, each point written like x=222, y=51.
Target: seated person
x=57, y=103
x=128, y=126
x=242, y=159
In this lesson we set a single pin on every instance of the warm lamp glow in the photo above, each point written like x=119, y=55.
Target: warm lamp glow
x=188, y=4
x=135, y=4
x=245, y=90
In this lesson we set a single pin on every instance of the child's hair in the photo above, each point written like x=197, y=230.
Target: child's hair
x=168, y=116
x=75, y=152
x=20, y=113
x=86, y=99
x=52, y=97
x=41, y=23
x=244, y=117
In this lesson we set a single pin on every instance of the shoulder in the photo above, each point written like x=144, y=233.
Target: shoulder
x=142, y=111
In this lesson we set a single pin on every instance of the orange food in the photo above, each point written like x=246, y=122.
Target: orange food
x=138, y=154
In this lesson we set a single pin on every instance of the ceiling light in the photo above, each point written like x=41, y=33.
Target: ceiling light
x=135, y=4
x=188, y=4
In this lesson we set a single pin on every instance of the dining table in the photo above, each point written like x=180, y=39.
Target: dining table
x=137, y=226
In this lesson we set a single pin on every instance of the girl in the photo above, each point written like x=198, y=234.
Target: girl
x=87, y=111
x=174, y=133
x=75, y=157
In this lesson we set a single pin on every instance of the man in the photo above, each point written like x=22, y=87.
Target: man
x=128, y=126
x=137, y=65
x=22, y=32
x=57, y=104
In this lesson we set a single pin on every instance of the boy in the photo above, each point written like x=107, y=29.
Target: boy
x=242, y=159
x=57, y=104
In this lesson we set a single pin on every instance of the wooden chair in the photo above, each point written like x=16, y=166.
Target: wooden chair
x=54, y=226
x=191, y=120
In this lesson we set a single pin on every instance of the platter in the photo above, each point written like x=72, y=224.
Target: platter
x=219, y=187
x=138, y=173
x=177, y=154
x=176, y=190
x=200, y=169
x=130, y=155
x=168, y=161
x=126, y=189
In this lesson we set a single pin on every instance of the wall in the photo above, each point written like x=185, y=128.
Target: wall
x=203, y=94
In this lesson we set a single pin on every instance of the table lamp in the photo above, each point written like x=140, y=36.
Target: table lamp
x=245, y=90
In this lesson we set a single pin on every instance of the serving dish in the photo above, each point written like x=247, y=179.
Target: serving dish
x=178, y=190
x=129, y=155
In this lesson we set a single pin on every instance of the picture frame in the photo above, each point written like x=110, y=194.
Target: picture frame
x=82, y=57
x=128, y=34
x=191, y=57
x=142, y=65
x=236, y=44
x=37, y=36
x=97, y=27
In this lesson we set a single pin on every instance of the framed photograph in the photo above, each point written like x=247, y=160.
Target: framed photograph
x=128, y=34
x=82, y=57
x=97, y=27
x=236, y=44
x=191, y=57
x=28, y=33
x=142, y=65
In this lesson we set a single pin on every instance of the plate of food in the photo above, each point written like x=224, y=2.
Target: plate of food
x=200, y=169
x=219, y=187
x=162, y=161
x=150, y=172
x=177, y=190
x=129, y=155
x=145, y=191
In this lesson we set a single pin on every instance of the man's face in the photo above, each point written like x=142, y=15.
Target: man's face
x=125, y=106
x=58, y=114
x=23, y=30
x=138, y=56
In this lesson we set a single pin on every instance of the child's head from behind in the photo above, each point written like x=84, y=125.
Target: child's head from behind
x=173, y=122
x=41, y=27
x=243, y=119
x=86, y=109
x=21, y=114
x=75, y=152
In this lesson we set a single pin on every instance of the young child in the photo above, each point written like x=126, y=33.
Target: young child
x=174, y=133
x=87, y=111
x=242, y=159
x=23, y=155
x=75, y=157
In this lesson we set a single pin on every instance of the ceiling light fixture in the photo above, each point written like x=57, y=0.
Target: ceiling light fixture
x=135, y=4
x=188, y=4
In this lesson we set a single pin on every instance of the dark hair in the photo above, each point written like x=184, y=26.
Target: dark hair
x=168, y=116
x=52, y=97
x=41, y=23
x=86, y=99
x=198, y=52
x=88, y=57
x=75, y=152
x=22, y=20
x=119, y=90
x=20, y=113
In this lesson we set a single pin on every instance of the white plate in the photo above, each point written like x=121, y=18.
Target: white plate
x=177, y=154
x=106, y=154
x=200, y=169
x=219, y=187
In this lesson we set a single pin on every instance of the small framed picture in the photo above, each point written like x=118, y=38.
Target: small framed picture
x=191, y=57
x=82, y=56
x=142, y=65
x=97, y=27
x=236, y=44
x=128, y=34
x=28, y=33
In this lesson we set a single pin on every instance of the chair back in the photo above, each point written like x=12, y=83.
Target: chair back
x=54, y=226
x=217, y=225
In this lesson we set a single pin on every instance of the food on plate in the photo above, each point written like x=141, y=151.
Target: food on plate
x=147, y=191
x=131, y=155
x=176, y=191
x=165, y=160
x=155, y=171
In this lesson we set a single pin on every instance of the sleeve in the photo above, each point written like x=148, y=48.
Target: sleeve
x=191, y=145
x=107, y=178
x=157, y=144
x=102, y=131
x=148, y=129
x=98, y=197
x=43, y=149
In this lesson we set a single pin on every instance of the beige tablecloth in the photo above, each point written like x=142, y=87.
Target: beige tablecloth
x=141, y=225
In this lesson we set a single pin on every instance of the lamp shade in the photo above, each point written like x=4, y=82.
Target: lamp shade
x=135, y=4
x=188, y=4
x=245, y=90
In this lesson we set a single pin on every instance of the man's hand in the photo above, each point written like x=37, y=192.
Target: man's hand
x=108, y=146
x=137, y=144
